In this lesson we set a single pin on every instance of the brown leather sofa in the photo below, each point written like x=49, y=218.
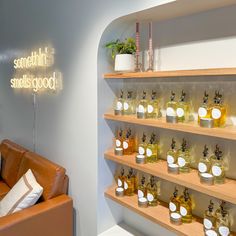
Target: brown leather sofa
x=53, y=214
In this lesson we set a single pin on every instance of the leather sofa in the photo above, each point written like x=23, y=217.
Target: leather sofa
x=53, y=213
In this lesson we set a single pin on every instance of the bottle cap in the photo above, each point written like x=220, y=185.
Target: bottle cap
x=206, y=178
x=118, y=112
x=120, y=192
x=206, y=122
x=141, y=159
x=176, y=218
x=118, y=151
x=173, y=169
x=171, y=119
x=143, y=202
x=141, y=115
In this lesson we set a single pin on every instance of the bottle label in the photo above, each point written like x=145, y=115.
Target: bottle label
x=207, y=224
x=202, y=167
x=180, y=112
x=216, y=113
x=141, y=108
x=216, y=170
x=150, y=197
x=149, y=152
x=125, y=185
x=118, y=143
x=119, y=106
x=170, y=111
x=202, y=112
x=150, y=109
x=119, y=182
x=125, y=145
x=183, y=211
x=126, y=106
x=224, y=231
x=172, y=207
x=140, y=194
x=170, y=159
x=141, y=150
x=181, y=162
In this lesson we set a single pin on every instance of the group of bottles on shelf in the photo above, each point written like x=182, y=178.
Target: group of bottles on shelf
x=209, y=115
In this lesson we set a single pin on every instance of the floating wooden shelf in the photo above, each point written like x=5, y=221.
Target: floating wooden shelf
x=159, y=215
x=190, y=180
x=174, y=73
x=229, y=132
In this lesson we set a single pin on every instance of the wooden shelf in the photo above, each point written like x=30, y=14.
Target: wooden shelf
x=190, y=180
x=229, y=132
x=174, y=73
x=159, y=215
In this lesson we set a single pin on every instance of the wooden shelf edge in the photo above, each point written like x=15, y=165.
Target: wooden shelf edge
x=159, y=169
x=229, y=132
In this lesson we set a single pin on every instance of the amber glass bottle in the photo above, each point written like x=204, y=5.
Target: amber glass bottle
x=152, y=192
x=129, y=184
x=121, y=178
x=128, y=143
x=186, y=207
x=174, y=205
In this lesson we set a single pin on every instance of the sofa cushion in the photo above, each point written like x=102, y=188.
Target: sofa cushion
x=4, y=189
x=49, y=175
x=11, y=156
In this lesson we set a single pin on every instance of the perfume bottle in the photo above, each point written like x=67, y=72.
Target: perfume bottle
x=171, y=116
x=118, y=143
x=129, y=184
x=204, y=165
x=223, y=223
x=209, y=220
x=172, y=153
x=118, y=104
x=174, y=205
x=220, y=209
x=128, y=143
x=142, y=145
x=142, y=107
x=182, y=109
x=153, y=110
x=152, y=192
x=186, y=207
x=135, y=180
x=218, y=111
x=142, y=189
x=204, y=112
x=129, y=104
x=152, y=149
x=184, y=158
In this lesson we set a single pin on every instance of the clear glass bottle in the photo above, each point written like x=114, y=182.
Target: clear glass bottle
x=119, y=104
x=218, y=111
x=182, y=109
x=209, y=220
x=129, y=104
x=172, y=153
x=204, y=165
x=184, y=158
x=128, y=143
x=142, y=145
x=223, y=223
x=142, y=107
x=174, y=205
x=153, y=109
x=186, y=207
x=129, y=184
x=220, y=209
x=152, y=192
x=171, y=106
x=152, y=149
x=142, y=189
x=119, y=139
x=121, y=178
x=204, y=111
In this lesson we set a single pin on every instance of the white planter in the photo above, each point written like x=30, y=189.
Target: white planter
x=124, y=63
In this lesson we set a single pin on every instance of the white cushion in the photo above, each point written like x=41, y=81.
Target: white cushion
x=24, y=193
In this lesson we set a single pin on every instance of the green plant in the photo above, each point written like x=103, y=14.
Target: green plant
x=128, y=46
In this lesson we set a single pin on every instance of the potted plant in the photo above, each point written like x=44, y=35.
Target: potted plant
x=123, y=53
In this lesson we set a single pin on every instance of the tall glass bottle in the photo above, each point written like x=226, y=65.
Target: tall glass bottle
x=171, y=106
x=129, y=104
x=118, y=104
x=153, y=110
x=142, y=145
x=135, y=180
x=142, y=189
x=186, y=207
x=204, y=165
x=182, y=108
x=128, y=143
x=142, y=107
x=204, y=111
x=121, y=178
x=174, y=205
x=152, y=192
x=152, y=149
x=209, y=220
x=218, y=168
x=184, y=158
x=129, y=184
x=223, y=223
x=172, y=153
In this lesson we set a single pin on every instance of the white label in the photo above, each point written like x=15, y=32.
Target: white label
x=141, y=150
x=140, y=194
x=216, y=113
x=119, y=106
x=150, y=109
x=202, y=167
x=125, y=185
x=180, y=112
x=149, y=152
x=170, y=159
x=126, y=106
x=119, y=183
x=202, y=112
x=181, y=162
x=207, y=224
x=172, y=206
x=150, y=197
x=211, y=233
x=141, y=108
x=170, y=111
x=118, y=143
x=224, y=231
x=216, y=170
x=183, y=211
x=125, y=145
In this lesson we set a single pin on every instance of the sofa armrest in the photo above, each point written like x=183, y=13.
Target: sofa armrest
x=52, y=217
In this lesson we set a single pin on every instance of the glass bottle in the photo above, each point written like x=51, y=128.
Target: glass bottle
x=142, y=145
x=172, y=153
x=135, y=180
x=152, y=149
x=118, y=104
x=142, y=189
x=152, y=192
x=186, y=207
x=204, y=110
x=184, y=158
x=223, y=223
x=220, y=209
x=174, y=205
x=218, y=111
x=204, y=165
x=129, y=104
x=209, y=220
x=142, y=107
x=129, y=184
x=153, y=110
x=171, y=106
x=182, y=109
x=121, y=178
x=119, y=139
x=128, y=143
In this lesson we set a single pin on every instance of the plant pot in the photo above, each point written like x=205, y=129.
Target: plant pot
x=124, y=63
